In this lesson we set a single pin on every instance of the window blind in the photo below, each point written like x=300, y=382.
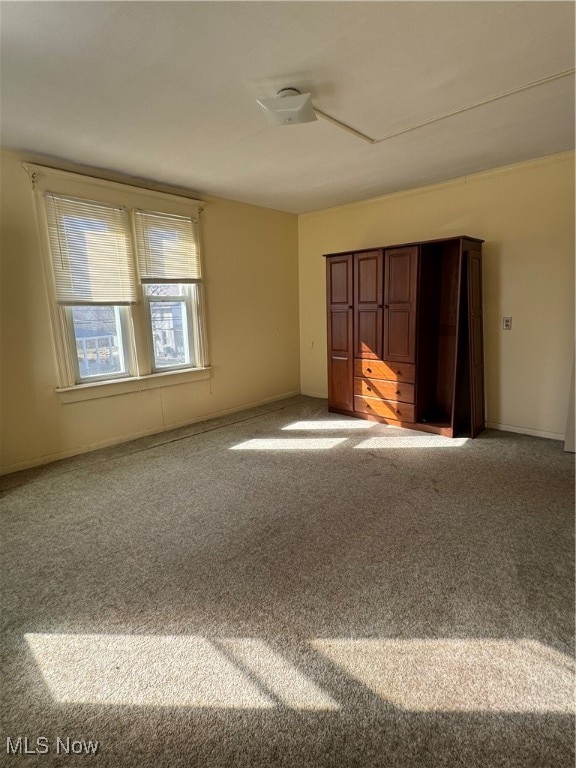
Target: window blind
x=168, y=248
x=91, y=251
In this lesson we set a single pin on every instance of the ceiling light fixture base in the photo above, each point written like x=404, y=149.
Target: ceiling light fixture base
x=288, y=107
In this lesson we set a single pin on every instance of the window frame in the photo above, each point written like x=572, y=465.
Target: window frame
x=186, y=300
x=136, y=328
x=123, y=314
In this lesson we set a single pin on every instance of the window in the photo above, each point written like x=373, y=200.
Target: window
x=171, y=327
x=94, y=279
x=126, y=282
x=170, y=273
x=98, y=334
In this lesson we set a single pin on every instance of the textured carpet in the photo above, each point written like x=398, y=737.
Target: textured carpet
x=287, y=587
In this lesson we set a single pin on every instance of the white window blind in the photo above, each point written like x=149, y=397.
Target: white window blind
x=168, y=248
x=91, y=252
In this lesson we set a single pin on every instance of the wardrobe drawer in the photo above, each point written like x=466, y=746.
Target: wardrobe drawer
x=385, y=408
x=380, y=369
x=386, y=390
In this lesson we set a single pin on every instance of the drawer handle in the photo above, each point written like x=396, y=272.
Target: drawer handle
x=369, y=370
x=398, y=372
x=397, y=391
x=396, y=411
x=369, y=389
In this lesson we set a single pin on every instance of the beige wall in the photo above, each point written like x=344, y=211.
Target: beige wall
x=525, y=213
x=251, y=272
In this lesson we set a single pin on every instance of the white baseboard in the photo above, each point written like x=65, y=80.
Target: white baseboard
x=48, y=458
x=525, y=431
x=490, y=424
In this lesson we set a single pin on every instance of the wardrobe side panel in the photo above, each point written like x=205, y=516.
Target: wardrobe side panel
x=476, y=340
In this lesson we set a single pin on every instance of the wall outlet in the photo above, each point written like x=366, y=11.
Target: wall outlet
x=506, y=323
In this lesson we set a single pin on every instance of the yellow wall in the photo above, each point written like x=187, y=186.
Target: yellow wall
x=251, y=281
x=525, y=213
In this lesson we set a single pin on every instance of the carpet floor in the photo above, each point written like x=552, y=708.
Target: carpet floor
x=288, y=587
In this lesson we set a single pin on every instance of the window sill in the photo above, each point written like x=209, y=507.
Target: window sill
x=113, y=387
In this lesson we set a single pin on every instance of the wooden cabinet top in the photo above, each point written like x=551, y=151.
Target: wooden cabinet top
x=403, y=245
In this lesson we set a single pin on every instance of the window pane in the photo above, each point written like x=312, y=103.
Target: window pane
x=98, y=335
x=170, y=333
x=165, y=289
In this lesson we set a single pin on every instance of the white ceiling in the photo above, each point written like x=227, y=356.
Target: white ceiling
x=167, y=91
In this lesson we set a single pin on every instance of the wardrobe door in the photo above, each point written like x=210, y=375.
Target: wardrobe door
x=368, y=305
x=340, y=346
x=400, y=284
x=475, y=342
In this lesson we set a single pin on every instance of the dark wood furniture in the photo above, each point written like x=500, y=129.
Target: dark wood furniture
x=405, y=335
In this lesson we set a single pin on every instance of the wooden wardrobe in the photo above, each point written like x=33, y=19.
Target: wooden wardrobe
x=405, y=342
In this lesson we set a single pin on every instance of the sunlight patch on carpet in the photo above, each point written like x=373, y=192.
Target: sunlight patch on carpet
x=448, y=675
x=412, y=441
x=289, y=444
x=453, y=675
x=183, y=671
x=143, y=670
x=331, y=425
